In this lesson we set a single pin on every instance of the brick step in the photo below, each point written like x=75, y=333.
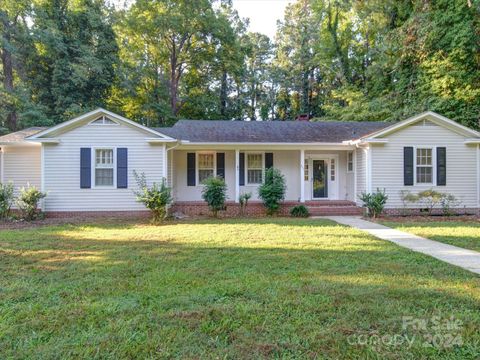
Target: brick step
x=335, y=210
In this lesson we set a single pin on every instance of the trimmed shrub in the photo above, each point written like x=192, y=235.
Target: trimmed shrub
x=215, y=194
x=407, y=197
x=243, y=199
x=430, y=198
x=272, y=191
x=156, y=198
x=374, y=202
x=6, y=199
x=299, y=211
x=28, y=201
x=448, y=202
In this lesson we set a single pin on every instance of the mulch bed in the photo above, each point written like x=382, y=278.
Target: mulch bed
x=426, y=218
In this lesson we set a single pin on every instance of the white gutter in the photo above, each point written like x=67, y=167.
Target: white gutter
x=471, y=141
x=44, y=140
x=159, y=140
x=191, y=143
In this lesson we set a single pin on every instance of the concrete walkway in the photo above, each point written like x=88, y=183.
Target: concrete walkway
x=466, y=259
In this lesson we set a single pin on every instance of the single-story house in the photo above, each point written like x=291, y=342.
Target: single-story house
x=87, y=164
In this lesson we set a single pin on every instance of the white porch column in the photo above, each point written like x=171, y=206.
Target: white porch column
x=237, y=175
x=302, y=180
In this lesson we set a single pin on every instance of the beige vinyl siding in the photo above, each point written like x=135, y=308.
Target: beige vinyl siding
x=387, y=163
x=182, y=192
x=349, y=177
x=361, y=169
x=62, y=168
x=21, y=165
x=287, y=161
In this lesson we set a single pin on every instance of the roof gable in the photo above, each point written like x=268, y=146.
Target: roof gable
x=427, y=117
x=91, y=116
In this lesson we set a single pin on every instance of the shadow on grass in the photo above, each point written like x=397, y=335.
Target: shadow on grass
x=170, y=298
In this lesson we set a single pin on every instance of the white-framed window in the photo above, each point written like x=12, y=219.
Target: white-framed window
x=305, y=170
x=103, y=120
x=350, y=161
x=254, y=168
x=205, y=166
x=104, y=167
x=424, y=165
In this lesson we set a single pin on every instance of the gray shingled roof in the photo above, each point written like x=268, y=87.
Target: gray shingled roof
x=270, y=131
x=223, y=131
x=20, y=135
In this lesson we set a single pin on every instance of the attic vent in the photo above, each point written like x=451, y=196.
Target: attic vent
x=103, y=120
x=424, y=123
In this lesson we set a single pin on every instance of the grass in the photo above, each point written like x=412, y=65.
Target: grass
x=283, y=288
x=458, y=233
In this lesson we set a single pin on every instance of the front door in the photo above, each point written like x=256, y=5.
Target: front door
x=320, y=179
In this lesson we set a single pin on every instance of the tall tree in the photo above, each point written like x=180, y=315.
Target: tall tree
x=12, y=15
x=73, y=67
x=297, y=39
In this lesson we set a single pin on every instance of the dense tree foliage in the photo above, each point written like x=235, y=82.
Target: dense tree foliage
x=159, y=60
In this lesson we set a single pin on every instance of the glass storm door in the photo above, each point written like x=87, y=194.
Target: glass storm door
x=320, y=179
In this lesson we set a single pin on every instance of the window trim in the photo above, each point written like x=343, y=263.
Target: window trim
x=350, y=162
x=434, y=165
x=94, y=167
x=262, y=153
x=197, y=168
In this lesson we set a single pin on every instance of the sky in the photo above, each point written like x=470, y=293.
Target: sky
x=263, y=14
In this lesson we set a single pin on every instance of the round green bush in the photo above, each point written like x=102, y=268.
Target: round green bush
x=299, y=211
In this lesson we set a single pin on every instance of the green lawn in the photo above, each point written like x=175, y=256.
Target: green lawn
x=458, y=233
x=283, y=288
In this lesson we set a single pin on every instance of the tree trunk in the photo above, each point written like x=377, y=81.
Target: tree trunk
x=7, y=64
x=173, y=85
x=223, y=94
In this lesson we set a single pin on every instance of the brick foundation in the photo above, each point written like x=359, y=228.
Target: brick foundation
x=200, y=208
x=254, y=209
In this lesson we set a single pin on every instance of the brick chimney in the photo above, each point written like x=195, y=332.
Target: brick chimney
x=303, y=117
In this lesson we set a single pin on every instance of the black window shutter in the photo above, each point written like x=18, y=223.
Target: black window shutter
x=441, y=166
x=122, y=168
x=190, y=169
x=408, y=166
x=268, y=160
x=221, y=165
x=85, y=168
x=241, y=169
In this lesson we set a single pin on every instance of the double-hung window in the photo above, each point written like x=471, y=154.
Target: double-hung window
x=206, y=166
x=104, y=167
x=254, y=168
x=424, y=165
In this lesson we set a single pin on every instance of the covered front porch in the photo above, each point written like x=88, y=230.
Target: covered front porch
x=315, y=176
